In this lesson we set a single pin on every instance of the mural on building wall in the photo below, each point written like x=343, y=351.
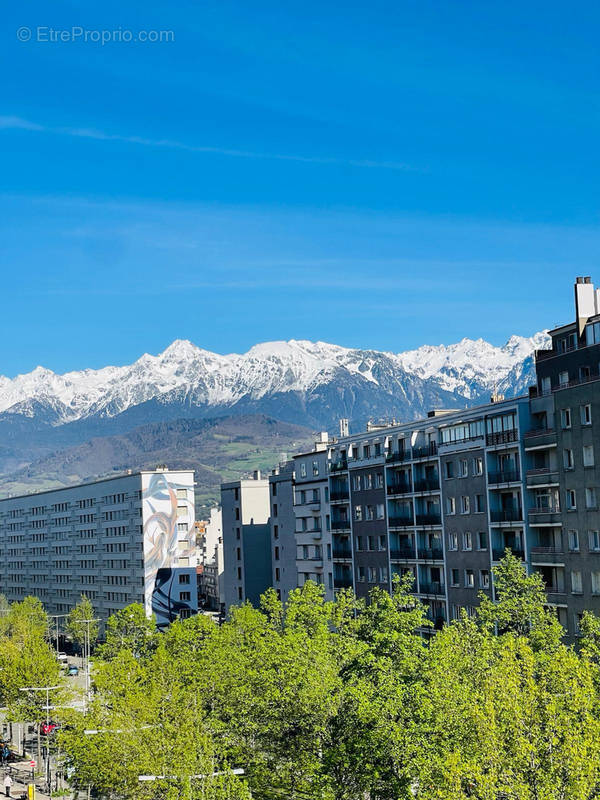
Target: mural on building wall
x=168, y=519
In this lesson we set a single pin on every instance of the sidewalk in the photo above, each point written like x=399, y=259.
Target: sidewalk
x=21, y=773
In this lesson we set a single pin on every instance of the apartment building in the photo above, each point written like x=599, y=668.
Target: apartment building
x=439, y=499
x=312, y=529
x=127, y=539
x=563, y=448
x=282, y=522
x=247, y=563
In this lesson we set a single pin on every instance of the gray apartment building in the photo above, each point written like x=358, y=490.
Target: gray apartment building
x=442, y=498
x=247, y=563
x=127, y=539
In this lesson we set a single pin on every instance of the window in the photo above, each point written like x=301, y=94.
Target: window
x=565, y=418
x=383, y=574
x=239, y=592
x=484, y=578
x=568, y=461
x=455, y=577
x=368, y=481
x=358, y=513
x=377, y=449
x=315, y=468
x=379, y=480
x=239, y=553
x=275, y=509
x=372, y=575
x=482, y=540
x=594, y=541
x=467, y=541
x=595, y=582
x=576, y=583
x=573, y=541
x=592, y=333
x=274, y=489
x=380, y=511
x=361, y=574
x=469, y=579
x=185, y=596
x=382, y=542
x=302, y=469
x=449, y=469
x=277, y=574
x=465, y=505
x=276, y=554
x=478, y=466
x=371, y=543
x=546, y=385
x=369, y=512
x=359, y=543
x=452, y=541
x=237, y=512
x=588, y=455
x=590, y=498
x=464, y=468
x=571, y=500
x=275, y=531
x=366, y=451
x=563, y=378
x=479, y=504
x=586, y=414
x=239, y=573
x=185, y=578
x=450, y=505
x=356, y=483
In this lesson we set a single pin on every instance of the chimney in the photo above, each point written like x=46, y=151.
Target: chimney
x=344, y=428
x=585, y=302
x=256, y=475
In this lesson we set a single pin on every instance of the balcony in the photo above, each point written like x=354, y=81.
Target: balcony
x=402, y=487
x=398, y=457
x=429, y=519
x=431, y=554
x=340, y=525
x=342, y=552
x=550, y=554
x=338, y=466
x=428, y=451
x=507, y=515
x=427, y=485
x=547, y=515
x=507, y=476
x=340, y=496
x=540, y=437
x=501, y=437
x=432, y=588
x=542, y=477
x=343, y=582
x=402, y=553
x=498, y=555
x=401, y=522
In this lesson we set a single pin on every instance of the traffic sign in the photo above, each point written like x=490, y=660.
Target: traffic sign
x=32, y=763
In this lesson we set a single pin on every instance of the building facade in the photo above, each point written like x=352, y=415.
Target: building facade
x=248, y=568
x=127, y=539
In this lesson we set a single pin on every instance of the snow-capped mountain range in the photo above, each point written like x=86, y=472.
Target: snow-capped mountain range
x=187, y=376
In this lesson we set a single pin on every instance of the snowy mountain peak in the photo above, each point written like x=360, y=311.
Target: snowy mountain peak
x=470, y=369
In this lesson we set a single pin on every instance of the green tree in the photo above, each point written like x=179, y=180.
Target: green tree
x=78, y=625
x=129, y=629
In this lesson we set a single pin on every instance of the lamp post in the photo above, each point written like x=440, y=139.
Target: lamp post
x=86, y=650
x=46, y=689
x=57, y=617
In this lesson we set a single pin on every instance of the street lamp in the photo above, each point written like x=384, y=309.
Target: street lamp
x=46, y=689
x=236, y=771
x=57, y=617
x=86, y=650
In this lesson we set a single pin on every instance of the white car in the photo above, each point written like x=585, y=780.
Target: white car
x=63, y=658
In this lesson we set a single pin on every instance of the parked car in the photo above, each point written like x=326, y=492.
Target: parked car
x=73, y=670
x=62, y=657
x=49, y=727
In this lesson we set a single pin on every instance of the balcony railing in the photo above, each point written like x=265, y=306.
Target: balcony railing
x=427, y=451
x=552, y=508
x=338, y=466
x=534, y=432
x=427, y=485
x=547, y=550
x=342, y=552
x=506, y=476
x=429, y=519
x=431, y=588
x=431, y=554
x=343, y=582
x=507, y=515
x=542, y=355
x=401, y=522
x=342, y=494
x=340, y=524
x=542, y=475
x=402, y=487
x=498, y=555
x=401, y=553
x=501, y=437
x=398, y=456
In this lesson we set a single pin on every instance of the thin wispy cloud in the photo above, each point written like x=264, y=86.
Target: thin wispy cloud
x=18, y=123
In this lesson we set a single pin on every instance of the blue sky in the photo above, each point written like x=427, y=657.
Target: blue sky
x=378, y=175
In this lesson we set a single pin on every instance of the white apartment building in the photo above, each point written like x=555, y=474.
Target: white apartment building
x=127, y=539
